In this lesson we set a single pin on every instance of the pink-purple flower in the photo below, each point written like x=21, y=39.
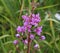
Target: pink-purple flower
x=25, y=41
x=42, y=37
x=25, y=18
x=31, y=36
x=38, y=30
x=36, y=46
x=18, y=29
x=30, y=26
x=21, y=29
x=35, y=19
x=15, y=42
x=30, y=21
x=17, y=35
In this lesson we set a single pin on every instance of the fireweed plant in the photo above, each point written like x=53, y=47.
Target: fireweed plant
x=30, y=29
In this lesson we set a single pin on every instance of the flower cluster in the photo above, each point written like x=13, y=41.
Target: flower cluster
x=30, y=25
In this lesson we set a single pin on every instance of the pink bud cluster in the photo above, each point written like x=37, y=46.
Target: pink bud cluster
x=30, y=25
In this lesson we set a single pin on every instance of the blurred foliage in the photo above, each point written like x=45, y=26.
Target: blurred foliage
x=11, y=12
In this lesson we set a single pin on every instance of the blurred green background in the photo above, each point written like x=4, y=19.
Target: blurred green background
x=11, y=12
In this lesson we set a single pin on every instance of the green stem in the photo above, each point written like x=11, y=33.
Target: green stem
x=29, y=6
x=53, y=33
x=4, y=50
x=52, y=30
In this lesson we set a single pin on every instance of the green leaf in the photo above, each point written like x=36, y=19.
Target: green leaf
x=11, y=7
x=1, y=37
x=4, y=50
x=47, y=7
x=53, y=20
x=9, y=20
x=47, y=44
x=8, y=42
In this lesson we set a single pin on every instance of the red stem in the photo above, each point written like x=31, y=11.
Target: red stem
x=29, y=42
